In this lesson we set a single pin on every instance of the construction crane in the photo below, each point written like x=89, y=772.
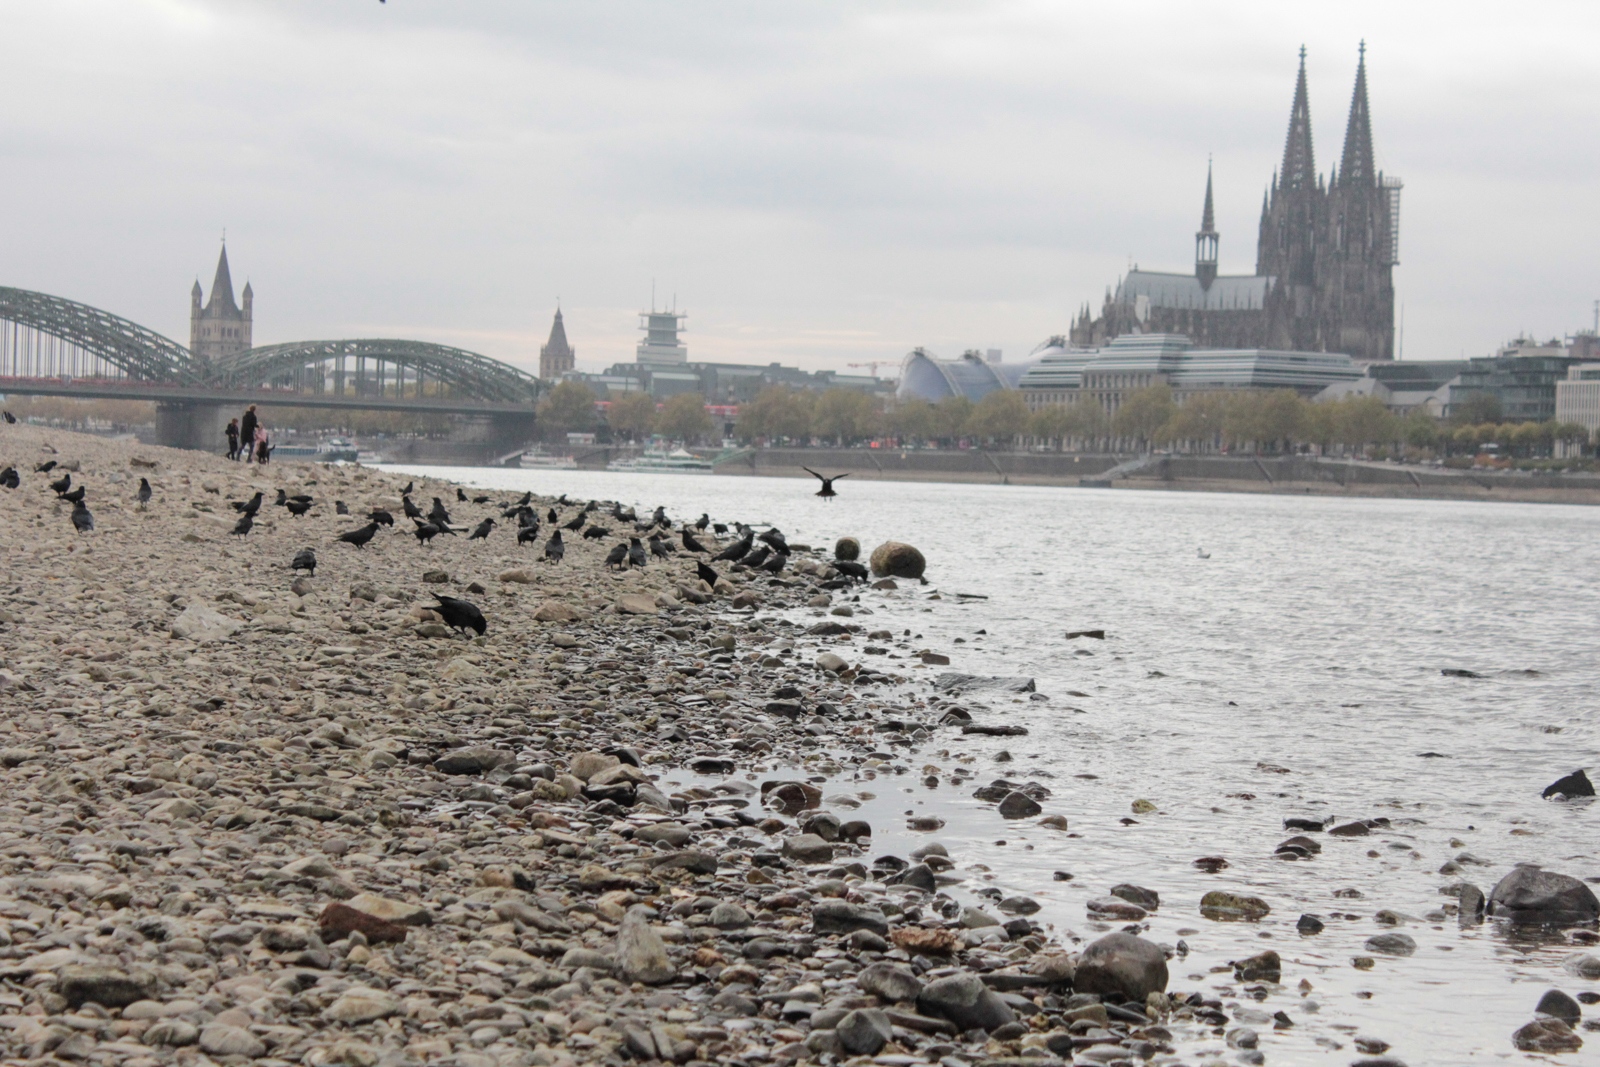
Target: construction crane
x=873, y=365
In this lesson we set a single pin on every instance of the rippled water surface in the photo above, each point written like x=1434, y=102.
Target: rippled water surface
x=1311, y=640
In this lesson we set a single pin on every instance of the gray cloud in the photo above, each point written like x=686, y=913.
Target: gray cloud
x=818, y=183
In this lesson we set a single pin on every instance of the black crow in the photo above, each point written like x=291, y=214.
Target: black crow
x=719, y=528
x=244, y=524
x=577, y=523
x=758, y=557
x=850, y=569
x=554, y=549
x=378, y=515
x=143, y=495
x=552, y=516
x=44, y=468
x=10, y=479
x=595, y=533
x=736, y=551
x=702, y=522
x=82, y=521
x=691, y=542
x=659, y=517
x=706, y=574
x=438, y=515
x=461, y=498
x=826, y=492
x=298, y=507
x=74, y=496
x=425, y=531
x=526, y=517
x=11, y=419
x=360, y=537
x=461, y=615
x=659, y=547
x=593, y=505
x=563, y=501
x=480, y=500
x=62, y=484
x=411, y=510
x=776, y=563
x=775, y=539
x=247, y=507
x=482, y=530
x=304, y=560
x=527, y=534
x=341, y=508
x=618, y=556
x=637, y=556
x=407, y=490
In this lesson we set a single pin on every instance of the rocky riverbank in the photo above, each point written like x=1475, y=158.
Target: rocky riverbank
x=258, y=815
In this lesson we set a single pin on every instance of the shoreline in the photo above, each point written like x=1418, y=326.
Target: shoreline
x=297, y=819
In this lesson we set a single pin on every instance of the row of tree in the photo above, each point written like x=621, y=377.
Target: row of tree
x=1262, y=420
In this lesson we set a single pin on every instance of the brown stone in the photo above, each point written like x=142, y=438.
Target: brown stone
x=340, y=920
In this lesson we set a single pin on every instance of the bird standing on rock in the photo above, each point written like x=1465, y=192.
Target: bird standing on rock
x=554, y=549
x=460, y=614
x=62, y=484
x=247, y=507
x=596, y=533
x=461, y=498
x=409, y=486
x=82, y=521
x=691, y=542
x=702, y=522
x=411, y=510
x=850, y=569
x=636, y=553
x=482, y=530
x=360, y=537
x=706, y=574
x=660, y=547
x=304, y=560
x=758, y=557
x=74, y=496
x=438, y=515
x=341, y=508
x=380, y=516
x=736, y=551
x=10, y=479
x=46, y=467
x=297, y=507
x=246, y=521
x=528, y=533
x=576, y=524
x=618, y=556
x=143, y=495
x=425, y=531
x=826, y=492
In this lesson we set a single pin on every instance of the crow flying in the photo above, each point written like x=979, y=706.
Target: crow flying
x=826, y=492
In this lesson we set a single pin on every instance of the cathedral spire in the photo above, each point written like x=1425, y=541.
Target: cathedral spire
x=1205, y=241
x=222, y=284
x=1299, y=163
x=1356, y=166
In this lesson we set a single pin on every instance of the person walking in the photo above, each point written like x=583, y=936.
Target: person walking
x=262, y=448
x=233, y=438
x=247, y=432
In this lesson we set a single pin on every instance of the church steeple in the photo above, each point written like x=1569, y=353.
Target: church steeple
x=1299, y=162
x=556, y=356
x=1356, y=166
x=1206, y=240
x=222, y=284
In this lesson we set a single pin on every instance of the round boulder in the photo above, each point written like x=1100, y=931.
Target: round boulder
x=1123, y=964
x=894, y=559
x=847, y=549
x=1530, y=895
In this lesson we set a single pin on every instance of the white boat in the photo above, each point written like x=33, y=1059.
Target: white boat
x=535, y=460
x=337, y=450
x=655, y=461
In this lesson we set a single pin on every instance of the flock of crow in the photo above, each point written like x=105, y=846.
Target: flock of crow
x=767, y=551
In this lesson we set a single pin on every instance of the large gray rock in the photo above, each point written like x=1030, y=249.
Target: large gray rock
x=807, y=848
x=1546, y=1035
x=108, y=987
x=231, y=1041
x=1123, y=964
x=1019, y=805
x=472, y=759
x=893, y=559
x=1531, y=895
x=847, y=548
x=889, y=983
x=841, y=917
x=200, y=623
x=864, y=1031
x=965, y=1001
x=641, y=954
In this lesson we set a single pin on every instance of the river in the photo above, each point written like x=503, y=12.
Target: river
x=1265, y=656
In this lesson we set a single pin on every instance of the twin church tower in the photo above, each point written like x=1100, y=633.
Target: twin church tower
x=1325, y=256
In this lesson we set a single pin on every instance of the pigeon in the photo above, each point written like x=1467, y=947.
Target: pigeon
x=304, y=560
x=636, y=553
x=143, y=495
x=341, y=508
x=297, y=507
x=460, y=614
x=244, y=524
x=425, y=531
x=482, y=530
x=62, y=484
x=10, y=479
x=691, y=542
x=554, y=549
x=826, y=492
x=618, y=556
x=82, y=521
x=706, y=574
x=380, y=516
x=360, y=537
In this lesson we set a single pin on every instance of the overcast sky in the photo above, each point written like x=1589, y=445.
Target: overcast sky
x=818, y=183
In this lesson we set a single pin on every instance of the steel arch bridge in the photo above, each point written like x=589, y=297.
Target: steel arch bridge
x=46, y=337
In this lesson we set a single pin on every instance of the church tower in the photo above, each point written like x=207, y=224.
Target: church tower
x=556, y=356
x=1205, y=242
x=1355, y=264
x=220, y=327
x=1292, y=220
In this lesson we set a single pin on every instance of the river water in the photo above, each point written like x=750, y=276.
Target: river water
x=1293, y=670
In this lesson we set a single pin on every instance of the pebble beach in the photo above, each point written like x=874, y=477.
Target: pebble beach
x=258, y=815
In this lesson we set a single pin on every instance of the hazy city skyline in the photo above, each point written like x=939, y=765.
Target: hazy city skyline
x=818, y=185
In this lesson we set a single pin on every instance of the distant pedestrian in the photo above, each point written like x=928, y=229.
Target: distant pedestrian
x=233, y=438
x=247, y=431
